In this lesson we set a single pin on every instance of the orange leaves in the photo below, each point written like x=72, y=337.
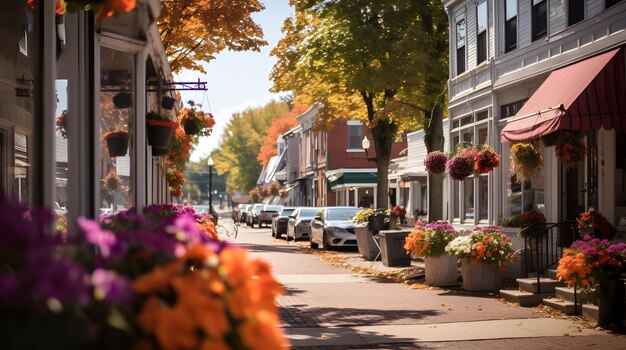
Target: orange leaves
x=194, y=31
x=278, y=127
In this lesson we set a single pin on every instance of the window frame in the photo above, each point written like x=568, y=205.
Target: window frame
x=355, y=125
x=482, y=53
x=460, y=51
x=457, y=196
x=512, y=21
x=536, y=20
x=573, y=12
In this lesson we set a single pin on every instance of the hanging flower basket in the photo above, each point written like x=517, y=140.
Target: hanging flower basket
x=570, y=148
x=122, y=100
x=111, y=182
x=61, y=124
x=525, y=161
x=462, y=165
x=117, y=143
x=435, y=162
x=191, y=127
x=159, y=132
x=486, y=160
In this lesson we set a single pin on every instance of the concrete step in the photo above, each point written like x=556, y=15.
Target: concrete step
x=590, y=312
x=530, y=285
x=567, y=294
x=566, y=307
x=524, y=299
x=552, y=274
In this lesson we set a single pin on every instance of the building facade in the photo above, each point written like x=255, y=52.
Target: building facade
x=67, y=81
x=506, y=59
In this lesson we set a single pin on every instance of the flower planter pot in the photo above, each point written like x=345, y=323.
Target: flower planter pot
x=168, y=102
x=441, y=271
x=191, y=127
x=159, y=136
x=611, y=302
x=159, y=151
x=117, y=144
x=365, y=242
x=377, y=222
x=480, y=276
x=392, y=248
x=122, y=100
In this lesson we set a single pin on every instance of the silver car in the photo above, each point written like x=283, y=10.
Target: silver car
x=333, y=227
x=299, y=225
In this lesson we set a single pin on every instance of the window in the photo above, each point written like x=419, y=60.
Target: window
x=460, y=46
x=117, y=110
x=470, y=197
x=529, y=196
x=354, y=137
x=609, y=3
x=539, y=19
x=575, y=11
x=510, y=25
x=481, y=32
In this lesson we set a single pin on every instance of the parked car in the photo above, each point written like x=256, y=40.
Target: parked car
x=280, y=222
x=299, y=224
x=267, y=213
x=333, y=227
x=253, y=215
x=244, y=214
x=237, y=211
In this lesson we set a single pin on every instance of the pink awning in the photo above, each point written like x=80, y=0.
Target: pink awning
x=586, y=95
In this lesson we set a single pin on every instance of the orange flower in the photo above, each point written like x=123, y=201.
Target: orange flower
x=111, y=7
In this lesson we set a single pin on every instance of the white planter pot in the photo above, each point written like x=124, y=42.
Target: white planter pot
x=480, y=276
x=441, y=271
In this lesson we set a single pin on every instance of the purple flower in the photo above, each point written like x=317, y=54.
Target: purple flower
x=460, y=166
x=111, y=287
x=435, y=162
x=102, y=239
x=185, y=229
x=57, y=279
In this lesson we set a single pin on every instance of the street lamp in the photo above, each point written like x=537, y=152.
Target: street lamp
x=210, y=163
x=366, y=146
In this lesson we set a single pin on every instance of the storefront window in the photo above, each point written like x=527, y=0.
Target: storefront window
x=366, y=197
x=60, y=140
x=116, y=116
x=351, y=194
x=19, y=70
x=466, y=206
x=532, y=196
x=483, y=197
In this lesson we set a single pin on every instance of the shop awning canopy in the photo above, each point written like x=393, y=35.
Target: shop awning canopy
x=586, y=95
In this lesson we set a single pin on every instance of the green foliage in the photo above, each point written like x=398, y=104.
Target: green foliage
x=511, y=221
x=379, y=61
x=242, y=139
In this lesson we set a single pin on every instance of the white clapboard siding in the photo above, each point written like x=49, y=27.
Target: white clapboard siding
x=524, y=28
x=470, y=30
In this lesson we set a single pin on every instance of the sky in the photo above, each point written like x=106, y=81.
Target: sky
x=237, y=80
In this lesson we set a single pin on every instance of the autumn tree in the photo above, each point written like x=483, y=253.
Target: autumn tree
x=279, y=126
x=240, y=144
x=380, y=61
x=193, y=31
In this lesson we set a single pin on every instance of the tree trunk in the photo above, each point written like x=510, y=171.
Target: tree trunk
x=383, y=134
x=433, y=139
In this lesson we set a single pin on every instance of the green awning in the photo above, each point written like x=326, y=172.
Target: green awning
x=355, y=178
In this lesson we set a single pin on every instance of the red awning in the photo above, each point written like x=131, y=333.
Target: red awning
x=586, y=95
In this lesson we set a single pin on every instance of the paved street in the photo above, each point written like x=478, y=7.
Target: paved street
x=332, y=307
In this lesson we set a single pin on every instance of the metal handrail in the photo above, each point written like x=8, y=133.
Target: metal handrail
x=548, y=246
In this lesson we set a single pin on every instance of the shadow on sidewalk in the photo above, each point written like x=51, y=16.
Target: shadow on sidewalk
x=304, y=316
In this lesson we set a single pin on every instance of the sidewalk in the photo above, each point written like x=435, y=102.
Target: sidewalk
x=431, y=317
